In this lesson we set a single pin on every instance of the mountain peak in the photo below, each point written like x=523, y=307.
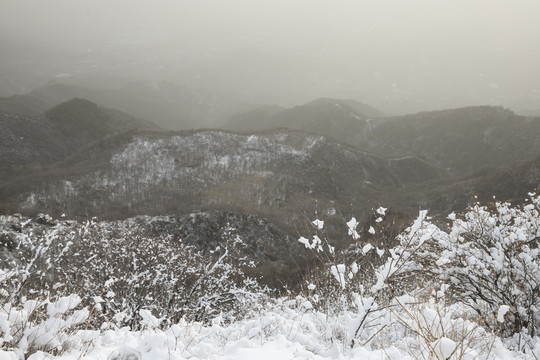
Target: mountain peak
x=73, y=104
x=356, y=106
x=77, y=116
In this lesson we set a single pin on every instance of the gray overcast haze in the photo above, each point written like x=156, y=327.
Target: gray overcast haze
x=399, y=56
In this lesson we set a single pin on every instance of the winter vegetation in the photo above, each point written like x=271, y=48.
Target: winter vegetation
x=464, y=288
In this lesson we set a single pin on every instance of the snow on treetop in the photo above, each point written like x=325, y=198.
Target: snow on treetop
x=319, y=224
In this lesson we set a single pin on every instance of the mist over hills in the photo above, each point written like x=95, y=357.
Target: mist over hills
x=435, y=148
x=85, y=160
x=171, y=106
x=32, y=142
x=64, y=149
x=271, y=174
x=338, y=119
x=461, y=141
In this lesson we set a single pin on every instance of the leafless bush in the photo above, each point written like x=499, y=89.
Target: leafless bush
x=120, y=270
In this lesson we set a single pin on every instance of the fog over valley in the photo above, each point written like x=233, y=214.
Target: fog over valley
x=399, y=56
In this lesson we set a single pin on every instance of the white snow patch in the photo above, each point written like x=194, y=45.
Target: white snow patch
x=503, y=309
x=319, y=224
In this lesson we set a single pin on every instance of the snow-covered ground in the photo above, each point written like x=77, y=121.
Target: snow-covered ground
x=467, y=290
x=286, y=329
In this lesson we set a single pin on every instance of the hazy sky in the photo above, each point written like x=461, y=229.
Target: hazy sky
x=394, y=53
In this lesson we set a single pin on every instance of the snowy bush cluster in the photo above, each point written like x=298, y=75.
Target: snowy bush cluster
x=477, y=274
x=124, y=275
x=467, y=288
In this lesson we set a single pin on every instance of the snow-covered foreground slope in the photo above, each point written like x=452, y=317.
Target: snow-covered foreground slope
x=468, y=289
x=286, y=329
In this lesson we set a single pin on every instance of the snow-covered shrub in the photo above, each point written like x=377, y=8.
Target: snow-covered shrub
x=491, y=259
x=487, y=260
x=436, y=329
x=40, y=324
x=349, y=283
x=121, y=269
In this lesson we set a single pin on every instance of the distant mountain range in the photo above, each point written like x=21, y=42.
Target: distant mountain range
x=32, y=142
x=460, y=141
x=329, y=158
x=171, y=106
x=272, y=174
x=341, y=120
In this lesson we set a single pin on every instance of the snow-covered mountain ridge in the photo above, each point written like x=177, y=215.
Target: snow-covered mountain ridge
x=458, y=140
x=207, y=168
